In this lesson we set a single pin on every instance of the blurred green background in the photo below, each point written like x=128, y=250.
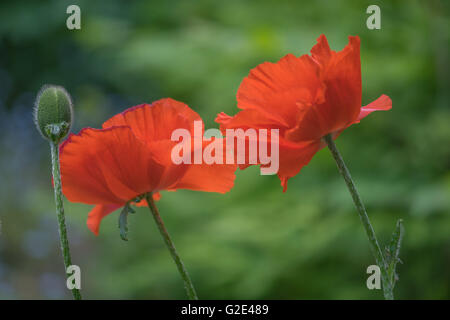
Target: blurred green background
x=254, y=242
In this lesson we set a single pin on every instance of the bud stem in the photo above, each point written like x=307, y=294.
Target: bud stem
x=374, y=246
x=60, y=212
x=181, y=268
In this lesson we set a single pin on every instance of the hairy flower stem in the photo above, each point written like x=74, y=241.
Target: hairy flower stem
x=192, y=295
x=374, y=246
x=60, y=212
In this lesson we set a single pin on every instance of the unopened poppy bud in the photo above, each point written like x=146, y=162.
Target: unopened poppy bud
x=53, y=112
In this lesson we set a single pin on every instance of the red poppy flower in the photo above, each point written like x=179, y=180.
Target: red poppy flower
x=131, y=156
x=306, y=98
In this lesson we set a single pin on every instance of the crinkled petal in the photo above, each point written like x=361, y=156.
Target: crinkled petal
x=209, y=178
x=275, y=88
x=382, y=103
x=321, y=52
x=97, y=214
x=107, y=166
x=293, y=157
x=156, y=121
x=311, y=124
x=214, y=177
x=171, y=172
x=248, y=118
x=341, y=75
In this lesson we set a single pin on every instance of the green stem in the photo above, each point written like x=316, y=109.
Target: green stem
x=181, y=268
x=60, y=212
x=374, y=246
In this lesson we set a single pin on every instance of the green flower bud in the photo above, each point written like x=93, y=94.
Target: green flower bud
x=53, y=112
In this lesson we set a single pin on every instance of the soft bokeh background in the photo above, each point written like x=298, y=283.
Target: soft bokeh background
x=254, y=242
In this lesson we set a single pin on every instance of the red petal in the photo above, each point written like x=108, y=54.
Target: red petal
x=248, y=118
x=223, y=118
x=96, y=215
x=172, y=172
x=311, y=124
x=293, y=157
x=155, y=124
x=382, y=103
x=156, y=121
x=341, y=74
x=209, y=177
x=275, y=88
x=321, y=51
x=107, y=166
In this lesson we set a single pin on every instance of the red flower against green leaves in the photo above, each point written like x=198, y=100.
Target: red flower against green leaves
x=306, y=98
x=131, y=156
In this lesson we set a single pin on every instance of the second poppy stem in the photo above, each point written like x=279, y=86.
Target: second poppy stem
x=181, y=268
x=374, y=246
